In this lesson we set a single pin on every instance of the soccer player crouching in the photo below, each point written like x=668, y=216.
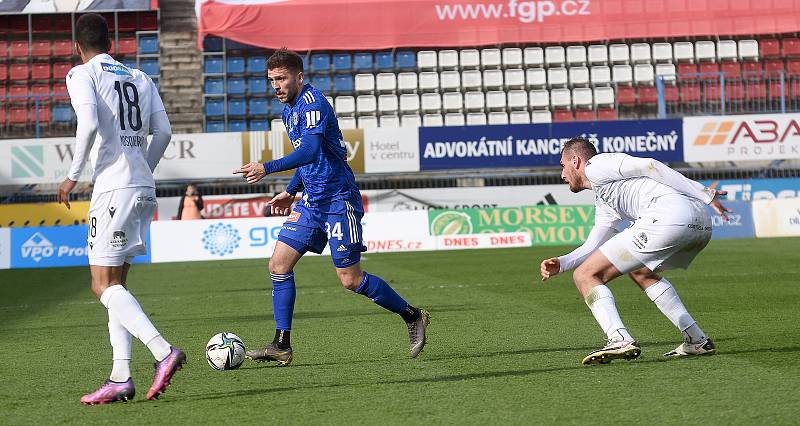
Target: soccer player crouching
x=671, y=225
x=116, y=108
x=329, y=213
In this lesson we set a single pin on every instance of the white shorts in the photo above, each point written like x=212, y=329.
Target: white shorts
x=118, y=224
x=671, y=232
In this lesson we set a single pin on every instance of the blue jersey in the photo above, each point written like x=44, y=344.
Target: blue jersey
x=328, y=178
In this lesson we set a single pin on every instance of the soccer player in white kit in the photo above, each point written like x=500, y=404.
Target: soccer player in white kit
x=116, y=108
x=671, y=225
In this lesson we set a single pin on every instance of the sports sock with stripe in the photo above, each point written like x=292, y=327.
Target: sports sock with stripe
x=284, y=293
x=375, y=288
x=124, y=306
x=669, y=303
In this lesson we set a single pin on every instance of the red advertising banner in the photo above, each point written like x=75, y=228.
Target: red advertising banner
x=379, y=24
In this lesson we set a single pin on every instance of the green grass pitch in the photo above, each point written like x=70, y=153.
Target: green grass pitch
x=503, y=346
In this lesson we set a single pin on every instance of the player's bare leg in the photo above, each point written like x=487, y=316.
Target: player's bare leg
x=590, y=279
x=281, y=266
x=661, y=292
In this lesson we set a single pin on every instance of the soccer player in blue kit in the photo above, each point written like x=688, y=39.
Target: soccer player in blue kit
x=329, y=213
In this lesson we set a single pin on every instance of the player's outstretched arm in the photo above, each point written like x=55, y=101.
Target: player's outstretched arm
x=162, y=134
x=281, y=204
x=660, y=172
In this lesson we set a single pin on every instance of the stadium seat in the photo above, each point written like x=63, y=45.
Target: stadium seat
x=364, y=83
x=514, y=78
x=476, y=119
x=535, y=78
x=541, y=117
x=18, y=92
x=560, y=98
x=582, y=98
x=384, y=61
x=148, y=44
x=752, y=69
x=471, y=80
x=791, y=47
x=275, y=108
x=343, y=84
x=469, y=59
x=755, y=90
x=362, y=62
x=237, y=108
x=557, y=77
x=432, y=120
x=474, y=101
x=773, y=67
x=563, y=115
x=215, y=126
x=257, y=86
x=60, y=92
x=407, y=82
x=18, y=115
x=533, y=57
x=212, y=44
x=769, y=48
x=734, y=91
x=3, y=49
x=709, y=71
x=19, y=49
x=539, y=99
x=748, y=50
x=690, y=93
x=258, y=106
x=3, y=72
x=431, y=103
x=258, y=125
x=454, y=119
x=256, y=65
x=726, y=50
x=643, y=74
x=236, y=86
x=40, y=92
x=126, y=22
x=704, y=50
x=148, y=21
x=389, y=121
x=578, y=76
x=126, y=46
x=41, y=49
x=41, y=23
x=793, y=67
x=3, y=91
x=519, y=117
x=647, y=95
x=150, y=67
x=576, y=56
x=345, y=105
x=597, y=54
x=492, y=79
x=234, y=65
x=671, y=94
x=427, y=60
x=603, y=96
x=662, y=53
x=429, y=81
x=625, y=95
x=213, y=65
x=388, y=104
x=640, y=53
x=606, y=114
x=517, y=100
x=687, y=72
x=450, y=81
x=213, y=86
x=448, y=60
x=585, y=115
x=491, y=58
x=618, y=54
x=622, y=74
x=452, y=102
x=711, y=92
x=406, y=61
x=409, y=104
x=342, y=62
x=62, y=48
x=386, y=82
x=554, y=56
x=215, y=108
x=497, y=118
x=17, y=72
x=40, y=71
x=237, y=126
x=683, y=51
x=512, y=57
x=600, y=75
x=62, y=113
x=324, y=83
x=410, y=120
x=367, y=122
x=366, y=104
x=666, y=72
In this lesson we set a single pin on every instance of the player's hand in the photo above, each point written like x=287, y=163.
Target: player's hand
x=63, y=192
x=281, y=204
x=550, y=267
x=718, y=207
x=253, y=172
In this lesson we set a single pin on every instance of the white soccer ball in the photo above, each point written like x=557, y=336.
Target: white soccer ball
x=225, y=351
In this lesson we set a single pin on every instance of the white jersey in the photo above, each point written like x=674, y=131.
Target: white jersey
x=626, y=185
x=125, y=99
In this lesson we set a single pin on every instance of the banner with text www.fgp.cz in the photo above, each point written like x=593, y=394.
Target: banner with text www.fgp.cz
x=531, y=145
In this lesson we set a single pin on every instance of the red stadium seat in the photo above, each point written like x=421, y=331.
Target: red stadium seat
x=584, y=115
x=18, y=115
x=756, y=91
x=606, y=114
x=41, y=23
x=671, y=94
x=44, y=113
x=60, y=70
x=18, y=24
x=127, y=46
x=709, y=70
x=752, y=69
x=2, y=91
x=734, y=91
x=19, y=48
x=793, y=67
x=648, y=95
x=562, y=115
x=791, y=47
x=148, y=21
x=18, y=72
x=62, y=23
x=40, y=71
x=626, y=95
x=712, y=92
x=126, y=22
x=775, y=89
x=41, y=91
x=19, y=92
x=732, y=70
x=41, y=48
x=769, y=48
x=3, y=72
x=687, y=71
x=690, y=93
x=110, y=20
x=62, y=48
x=3, y=49
x=60, y=91
x=773, y=67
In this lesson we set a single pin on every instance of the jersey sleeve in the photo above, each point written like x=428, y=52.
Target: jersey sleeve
x=660, y=172
x=156, y=104
x=80, y=87
x=313, y=116
x=605, y=227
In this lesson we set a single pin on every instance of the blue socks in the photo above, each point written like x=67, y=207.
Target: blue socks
x=283, y=295
x=381, y=293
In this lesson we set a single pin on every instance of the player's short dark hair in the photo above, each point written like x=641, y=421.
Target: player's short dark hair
x=285, y=58
x=581, y=147
x=91, y=32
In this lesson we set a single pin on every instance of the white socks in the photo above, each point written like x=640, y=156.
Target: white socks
x=120, y=348
x=121, y=304
x=601, y=302
x=666, y=298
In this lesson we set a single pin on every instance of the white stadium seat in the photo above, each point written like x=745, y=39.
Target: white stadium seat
x=429, y=81
x=454, y=119
x=496, y=100
x=622, y=74
x=519, y=117
x=619, y=54
x=683, y=51
x=330, y=99
x=554, y=56
x=386, y=82
x=476, y=119
x=640, y=53
x=578, y=76
x=366, y=104
x=514, y=79
x=490, y=58
x=539, y=99
x=409, y=104
x=600, y=75
x=410, y=120
x=345, y=105
x=643, y=74
x=541, y=117
x=452, y=101
x=604, y=96
x=388, y=104
x=704, y=51
x=498, y=118
x=576, y=55
x=448, y=59
x=347, y=123
x=367, y=122
x=726, y=50
x=557, y=77
x=667, y=71
x=582, y=98
x=469, y=59
x=492, y=79
x=533, y=57
x=431, y=102
x=450, y=81
x=471, y=80
x=560, y=98
x=535, y=77
x=432, y=120
x=512, y=57
x=389, y=121
x=598, y=54
x=662, y=53
x=474, y=101
x=364, y=83
x=517, y=100
x=426, y=60
x=407, y=82
x=748, y=50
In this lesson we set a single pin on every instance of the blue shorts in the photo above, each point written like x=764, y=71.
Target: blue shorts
x=338, y=224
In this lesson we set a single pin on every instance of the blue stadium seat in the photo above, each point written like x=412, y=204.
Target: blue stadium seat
x=363, y=62
x=257, y=86
x=237, y=126
x=150, y=66
x=259, y=106
x=237, y=108
x=256, y=65
x=215, y=107
x=212, y=44
x=256, y=125
x=406, y=61
x=130, y=63
x=62, y=113
x=215, y=126
x=214, y=86
x=235, y=45
x=343, y=84
x=148, y=44
x=236, y=86
x=320, y=63
x=323, y=83
x=235, y=65
x=384, y=61
x=275, y=107
x=342, y=62
x=213, y=65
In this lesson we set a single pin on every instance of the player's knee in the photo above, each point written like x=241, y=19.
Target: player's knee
x=350, y=279
x=583, y=275
x=278, y=267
